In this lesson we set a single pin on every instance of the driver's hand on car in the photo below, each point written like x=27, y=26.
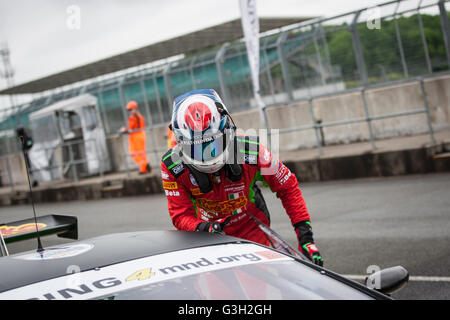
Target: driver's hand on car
x=213, y=227
x=310, y=250
x=306, y=242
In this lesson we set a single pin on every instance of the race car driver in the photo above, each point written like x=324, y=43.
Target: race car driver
x=209, y=176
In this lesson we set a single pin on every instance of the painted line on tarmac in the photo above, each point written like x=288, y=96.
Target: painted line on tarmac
x=411, y=278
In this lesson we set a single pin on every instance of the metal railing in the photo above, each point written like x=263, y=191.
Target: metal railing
x=71, y=165
x=155, y=150
x=368, y=118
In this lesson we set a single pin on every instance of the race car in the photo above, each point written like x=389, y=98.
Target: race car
x=172, y=265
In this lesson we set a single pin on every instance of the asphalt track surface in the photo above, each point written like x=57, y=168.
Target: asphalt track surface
x=357, y=223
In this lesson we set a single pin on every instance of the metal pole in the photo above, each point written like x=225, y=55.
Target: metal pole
x=223, y=85
x=10, y=176
x=154, y=143
x=191, y=72
x=144, y=95
x=8, y=166
x=99, y=158
x=103, y=112
x=158, y=99
x=150, y=124
x=400, y=44
x=8, y=74
x=124, y=157
x=427, y=111
x=424, y=40
x=74, y=166
x=284, y=66
x=316, y=127
x=445, y=28
x=248, y=91
x=325, y=44
x=368, y=119
x=122, y=101
x=359, y=56
x=318, y=57
x=166, y=77
x=4, y=250
x=269, y=134
x=269, y=76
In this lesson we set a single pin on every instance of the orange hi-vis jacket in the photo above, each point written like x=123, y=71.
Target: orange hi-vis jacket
x=171, y=142
x=136, y=140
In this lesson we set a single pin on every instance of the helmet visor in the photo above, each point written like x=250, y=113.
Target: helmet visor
x=207, y=149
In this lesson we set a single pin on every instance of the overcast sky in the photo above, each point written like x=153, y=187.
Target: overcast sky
x=42, y=43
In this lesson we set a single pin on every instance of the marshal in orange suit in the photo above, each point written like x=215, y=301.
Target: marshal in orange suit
x=171, y=142
x=136, y=138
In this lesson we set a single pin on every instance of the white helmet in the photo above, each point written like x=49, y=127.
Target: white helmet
x=203, y=129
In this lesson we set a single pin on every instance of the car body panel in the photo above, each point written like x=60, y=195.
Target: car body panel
x=114, y=263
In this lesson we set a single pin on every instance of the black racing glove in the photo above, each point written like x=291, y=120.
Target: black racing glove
x=216, y=226
x=306, y=242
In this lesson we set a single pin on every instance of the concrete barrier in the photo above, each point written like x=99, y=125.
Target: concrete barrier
x=380, y=101
x=399, y=98
x=438, y=96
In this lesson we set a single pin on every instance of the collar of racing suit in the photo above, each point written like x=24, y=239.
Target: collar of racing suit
x=232, y=171
x=243, y=147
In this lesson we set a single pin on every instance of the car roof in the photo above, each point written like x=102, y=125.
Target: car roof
x=17, y=270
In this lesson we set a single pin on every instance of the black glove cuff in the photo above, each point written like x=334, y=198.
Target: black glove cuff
x=203, y=226
x=305, y=234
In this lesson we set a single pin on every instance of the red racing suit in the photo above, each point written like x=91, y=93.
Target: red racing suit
x=188, y=206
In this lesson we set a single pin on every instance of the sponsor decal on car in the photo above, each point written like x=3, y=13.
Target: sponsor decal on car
x=57, y=253
x=106, y=281
x=23, y=228
x=139, y=275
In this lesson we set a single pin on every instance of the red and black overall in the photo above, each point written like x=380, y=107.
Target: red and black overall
x=190, y=204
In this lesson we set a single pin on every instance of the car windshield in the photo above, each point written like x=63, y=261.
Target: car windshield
x=287, y=280
x=258, y=274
